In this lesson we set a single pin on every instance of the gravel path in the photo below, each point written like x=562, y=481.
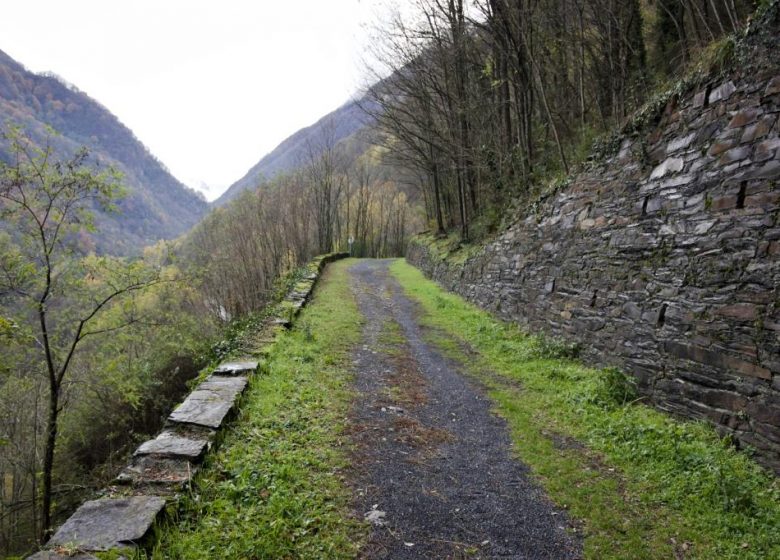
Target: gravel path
x=433, y=466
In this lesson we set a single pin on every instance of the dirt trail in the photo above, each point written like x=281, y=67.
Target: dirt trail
x=433, y=465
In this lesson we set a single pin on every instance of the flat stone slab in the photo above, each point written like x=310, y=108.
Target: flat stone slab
x=149, y=469
x=236, y=368
x=210, y=403
x=298, y=295
x=169, y=444
x=109, y=523
x=52, y=555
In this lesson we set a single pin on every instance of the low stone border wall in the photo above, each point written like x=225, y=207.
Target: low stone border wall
x=161, y=467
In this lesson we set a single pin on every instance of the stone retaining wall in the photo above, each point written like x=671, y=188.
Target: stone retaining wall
x=162, y=467
x=663, y=260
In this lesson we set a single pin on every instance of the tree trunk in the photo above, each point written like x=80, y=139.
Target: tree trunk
x=48, y=460
x=436, y=194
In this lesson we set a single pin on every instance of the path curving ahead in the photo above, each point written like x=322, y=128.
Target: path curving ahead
x=433, y=466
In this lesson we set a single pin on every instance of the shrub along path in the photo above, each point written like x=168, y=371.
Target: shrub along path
x=434, y=471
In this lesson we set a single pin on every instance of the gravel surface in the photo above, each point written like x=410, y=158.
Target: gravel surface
x=433, y=469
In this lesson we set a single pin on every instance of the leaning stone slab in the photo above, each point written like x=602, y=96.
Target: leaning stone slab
x=169, y=444
x=236, y=368
x=155, y=471
x=298, y=294
x=210, y=403
x=282, y=322
x=109, y=523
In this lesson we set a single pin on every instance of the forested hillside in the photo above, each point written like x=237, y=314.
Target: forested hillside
x=156, y=206
x=340, y=190
x=296, y=150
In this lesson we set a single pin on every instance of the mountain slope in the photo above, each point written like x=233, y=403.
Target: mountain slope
x=157, y=205
x=293, y=151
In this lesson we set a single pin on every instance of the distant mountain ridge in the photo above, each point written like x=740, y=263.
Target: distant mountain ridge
x=293, y=151
x=157, y=206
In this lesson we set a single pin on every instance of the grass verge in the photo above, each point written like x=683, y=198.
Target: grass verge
x=642, y=484
x=274, y=489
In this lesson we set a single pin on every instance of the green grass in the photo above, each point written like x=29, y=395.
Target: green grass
x=450, y=247
x=639, y=483
x=274, y=489
x=391, y=339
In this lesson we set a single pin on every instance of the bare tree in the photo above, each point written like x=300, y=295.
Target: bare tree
x=326, y=174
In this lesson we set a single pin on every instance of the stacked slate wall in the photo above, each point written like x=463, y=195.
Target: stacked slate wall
x=663, y=259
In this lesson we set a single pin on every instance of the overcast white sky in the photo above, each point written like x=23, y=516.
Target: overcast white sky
x=208, y=86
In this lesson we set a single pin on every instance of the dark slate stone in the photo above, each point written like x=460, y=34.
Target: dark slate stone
x=721, y=146
x=771, y=433
x=722, y=92
x=735, y=154
x=211, y=402
x=773, y=87
x=670, y=165
x=238, y=367
x=765, y=413
x=717, y=359
x=680, y=143
x=770, y=171
x=109, y=523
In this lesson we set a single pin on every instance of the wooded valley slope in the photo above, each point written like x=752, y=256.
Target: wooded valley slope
x=157, y=205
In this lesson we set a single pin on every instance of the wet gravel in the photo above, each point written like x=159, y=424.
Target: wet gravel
x=433, y=465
